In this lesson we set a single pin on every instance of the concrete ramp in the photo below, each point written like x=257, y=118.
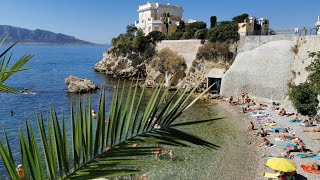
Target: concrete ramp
x=263, y=72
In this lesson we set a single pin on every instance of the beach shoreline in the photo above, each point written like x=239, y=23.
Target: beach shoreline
x=255, y=155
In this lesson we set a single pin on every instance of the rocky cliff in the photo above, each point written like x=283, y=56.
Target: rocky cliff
x=26, y=36
x=124, y=67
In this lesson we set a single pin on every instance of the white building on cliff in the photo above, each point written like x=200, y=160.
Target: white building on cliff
x=151, y=17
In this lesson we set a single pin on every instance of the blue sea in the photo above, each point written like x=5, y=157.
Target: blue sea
x=45, y=82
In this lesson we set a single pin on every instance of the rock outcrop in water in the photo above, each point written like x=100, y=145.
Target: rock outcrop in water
x=77, y=85
x=124, y=67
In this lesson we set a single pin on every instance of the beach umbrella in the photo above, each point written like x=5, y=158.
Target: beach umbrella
x=280, y=164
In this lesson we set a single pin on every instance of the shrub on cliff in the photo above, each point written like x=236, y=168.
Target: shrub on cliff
x=168, y=60
x=175, y=36
x=134, y=41
x=304, y=98
x=155, y=36
x=198, y=25
x=215, y=52
x=314, y=69
x=224, y=32
x=201, y=33
x=189, y=34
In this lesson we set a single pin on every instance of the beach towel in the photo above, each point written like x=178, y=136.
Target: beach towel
x=307, y=168
x=270, y=175
x=311, y=157
x=294, y=122
x=270, y=124
x=277, y=129
x=288, y=143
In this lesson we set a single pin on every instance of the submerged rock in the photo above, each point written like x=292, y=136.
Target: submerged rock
x=77, y=85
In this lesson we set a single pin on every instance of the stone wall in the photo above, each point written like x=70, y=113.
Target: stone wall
x=186, y=48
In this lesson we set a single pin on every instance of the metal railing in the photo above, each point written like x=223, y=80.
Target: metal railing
x=285, y=31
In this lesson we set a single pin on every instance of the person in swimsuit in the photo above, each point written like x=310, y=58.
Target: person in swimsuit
x=265, y=142
x=282, y=155
x=262, y=133
x=251, y=126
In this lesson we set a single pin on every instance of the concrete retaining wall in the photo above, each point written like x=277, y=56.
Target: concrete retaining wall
x=186, y=48
x=263, y=72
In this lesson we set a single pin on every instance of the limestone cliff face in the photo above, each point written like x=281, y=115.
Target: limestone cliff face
x=124, y=67
x=263, y=72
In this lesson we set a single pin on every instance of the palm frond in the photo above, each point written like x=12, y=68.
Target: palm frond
x=5, y=71
x=100, y=149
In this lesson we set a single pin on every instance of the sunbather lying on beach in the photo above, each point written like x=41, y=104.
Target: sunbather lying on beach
x=282, y=155
x=299, y=148
x=283, y=137
x=312, y=130
x=307, y=154
x=265, y=142
x=282, y=112
x=314, y=166
x=307, y=123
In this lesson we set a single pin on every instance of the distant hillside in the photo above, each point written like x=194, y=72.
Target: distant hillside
x=26, y=36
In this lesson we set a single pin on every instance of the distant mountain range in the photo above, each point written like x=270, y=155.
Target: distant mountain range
x=26, y=36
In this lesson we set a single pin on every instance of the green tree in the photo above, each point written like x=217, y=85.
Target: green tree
x=213, y=21
x=240, y=18
x=189, y=34
x=181, y=27
x=155, y=36
x=201, y=33
x=197, y=25
x=304, y=98
x=175, y=36
x=224, y=32
x=131, y=29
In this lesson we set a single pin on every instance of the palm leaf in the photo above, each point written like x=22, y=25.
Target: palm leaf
x=6, y=72
x=127, y=125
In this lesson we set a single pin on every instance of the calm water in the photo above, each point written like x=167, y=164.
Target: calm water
x=49, y=67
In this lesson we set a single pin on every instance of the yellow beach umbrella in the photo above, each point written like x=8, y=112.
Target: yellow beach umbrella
x=280, y=164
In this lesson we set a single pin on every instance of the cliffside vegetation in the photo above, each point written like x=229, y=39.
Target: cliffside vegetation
x=220, y=37
x=134, y=41
x=304, y=96
x=168, y=61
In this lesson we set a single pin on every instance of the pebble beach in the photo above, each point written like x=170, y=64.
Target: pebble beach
x=255, y=155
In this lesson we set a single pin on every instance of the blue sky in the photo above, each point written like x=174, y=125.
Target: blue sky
x=100, y=20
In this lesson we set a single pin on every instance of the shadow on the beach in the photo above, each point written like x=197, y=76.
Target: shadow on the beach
x=300, y=177
x=196, y=122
